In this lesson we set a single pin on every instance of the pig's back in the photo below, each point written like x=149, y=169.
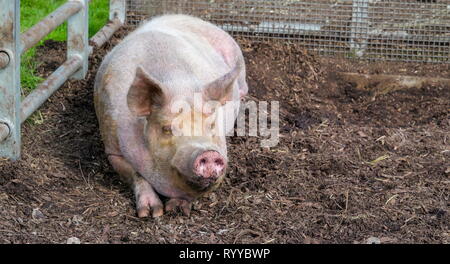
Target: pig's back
x=221, y=41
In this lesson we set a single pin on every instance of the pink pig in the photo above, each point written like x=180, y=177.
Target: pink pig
x=167, y=60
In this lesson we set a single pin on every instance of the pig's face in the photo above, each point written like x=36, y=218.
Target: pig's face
x=182, y=133
x=193, y=155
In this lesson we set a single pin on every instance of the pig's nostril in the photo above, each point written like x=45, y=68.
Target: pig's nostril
x=209, y=164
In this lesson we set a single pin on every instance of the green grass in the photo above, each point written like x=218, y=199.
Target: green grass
x=32, y=11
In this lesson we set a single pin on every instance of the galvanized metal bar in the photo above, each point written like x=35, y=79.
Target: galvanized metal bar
x=117, y=17
x=117, y=10
x=359, y=27
x=275, y=28
x=75, y=61
x=106, y=32
x=10, y=79
x=33, y=35
x=35, y=99
x=78, y=37
x=12, y=45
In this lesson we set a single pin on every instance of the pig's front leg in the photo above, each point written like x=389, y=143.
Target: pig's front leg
x=146, y=197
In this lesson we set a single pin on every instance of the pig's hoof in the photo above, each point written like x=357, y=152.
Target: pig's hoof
x=175, y=203
x=143, y=210
x=148, y=203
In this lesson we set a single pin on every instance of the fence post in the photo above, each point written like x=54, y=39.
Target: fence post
x=117, y=10
x=10, y=79
x=117, y=17
x=359, y=27
x=78, y=38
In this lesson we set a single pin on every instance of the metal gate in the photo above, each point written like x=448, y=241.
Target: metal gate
x=395, y=30
x=13, y=111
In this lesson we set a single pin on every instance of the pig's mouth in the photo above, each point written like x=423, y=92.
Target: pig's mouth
x=199, y=184
x=202, y=184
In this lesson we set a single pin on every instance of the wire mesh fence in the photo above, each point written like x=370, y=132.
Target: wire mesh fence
x=399, y=30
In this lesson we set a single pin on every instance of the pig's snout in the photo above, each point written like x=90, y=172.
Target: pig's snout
x=202, y=166
x=210, y=165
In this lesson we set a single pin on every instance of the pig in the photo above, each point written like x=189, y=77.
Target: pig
x=169, y=59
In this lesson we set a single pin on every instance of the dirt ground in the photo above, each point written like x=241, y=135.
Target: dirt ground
x=352, y=165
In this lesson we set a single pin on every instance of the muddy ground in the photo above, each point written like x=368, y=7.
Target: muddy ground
x=351, y=163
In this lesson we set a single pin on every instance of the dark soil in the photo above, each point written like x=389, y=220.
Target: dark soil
x=350, y=164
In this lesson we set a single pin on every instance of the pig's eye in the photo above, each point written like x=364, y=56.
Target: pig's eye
x=167, y=130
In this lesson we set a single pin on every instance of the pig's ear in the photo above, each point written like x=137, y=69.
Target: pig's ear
x=222, y=89
x=145, y=94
